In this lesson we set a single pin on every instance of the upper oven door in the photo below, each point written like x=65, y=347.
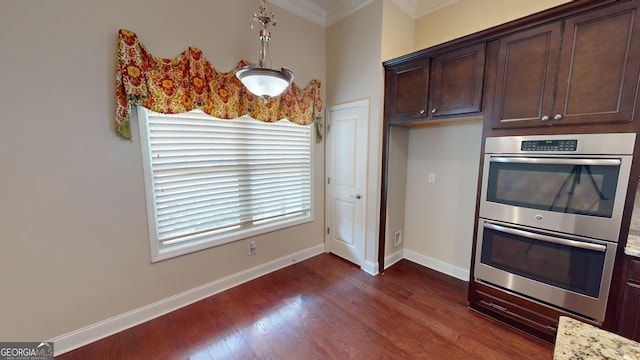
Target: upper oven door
x=571, y=194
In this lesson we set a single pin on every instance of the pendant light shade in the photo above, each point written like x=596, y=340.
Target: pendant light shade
x=258, y=79
x=265, y=82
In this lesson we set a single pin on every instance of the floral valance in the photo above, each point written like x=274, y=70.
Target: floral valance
x=189, y=82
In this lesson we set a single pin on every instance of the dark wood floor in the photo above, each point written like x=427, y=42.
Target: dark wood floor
x=325, y=308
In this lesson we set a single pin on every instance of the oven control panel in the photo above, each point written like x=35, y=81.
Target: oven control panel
x=549, y=145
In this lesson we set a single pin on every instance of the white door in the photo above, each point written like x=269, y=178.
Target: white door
x=346, y=180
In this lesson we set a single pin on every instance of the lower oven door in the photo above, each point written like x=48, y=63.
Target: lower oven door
x=571, y=273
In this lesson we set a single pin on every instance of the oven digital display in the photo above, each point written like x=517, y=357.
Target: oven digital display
x=549, y=145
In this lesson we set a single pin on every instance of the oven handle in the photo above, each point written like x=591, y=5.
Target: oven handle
x=546, y=238
x=556, y=161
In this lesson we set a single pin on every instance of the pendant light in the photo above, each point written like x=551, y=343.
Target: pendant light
x=258, y=79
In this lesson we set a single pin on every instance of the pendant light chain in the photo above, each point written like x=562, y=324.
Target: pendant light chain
x=265, y=20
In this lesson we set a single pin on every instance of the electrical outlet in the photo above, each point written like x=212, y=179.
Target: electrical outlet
x=397, y=238
x=431, y=178
x=252, y=248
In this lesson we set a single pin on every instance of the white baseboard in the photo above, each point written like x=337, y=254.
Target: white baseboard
x=435, y=264
x=370, y=267
x=373, y=268
x=102, y=329
x=393, y=258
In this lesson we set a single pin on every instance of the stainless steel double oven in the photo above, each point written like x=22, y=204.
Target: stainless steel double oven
x=550, y=215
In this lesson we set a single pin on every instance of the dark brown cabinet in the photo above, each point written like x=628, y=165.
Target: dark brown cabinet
x=578, y=71
x=630, y=319
x=406, y=91
x=524, y=88
x=457, y=82
x=533, y=318
x=446, y=85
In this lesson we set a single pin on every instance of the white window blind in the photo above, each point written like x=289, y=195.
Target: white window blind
x=210, y=181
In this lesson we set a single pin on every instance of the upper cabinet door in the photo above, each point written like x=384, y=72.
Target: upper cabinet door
x=525, y=77
x=406, y=91
x=456, y=81
x=599, y=67
x=594, y=81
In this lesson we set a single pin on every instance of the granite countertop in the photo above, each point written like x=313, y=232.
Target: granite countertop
x=578, y=340
x=633, y=245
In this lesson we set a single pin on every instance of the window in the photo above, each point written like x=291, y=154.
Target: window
x=211, y=181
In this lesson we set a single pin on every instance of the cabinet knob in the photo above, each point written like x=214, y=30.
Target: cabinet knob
x=358, y=196
x=433, y=111
x=545, y=118
x=422, y=112
x=557, y=117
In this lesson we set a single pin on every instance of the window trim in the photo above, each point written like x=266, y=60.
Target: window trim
x=207, y=240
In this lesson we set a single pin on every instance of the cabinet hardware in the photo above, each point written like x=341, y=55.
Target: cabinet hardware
x=570, y=240
x=545, y=118
x=433, y=111
x=422, y=112
x=496, y=306
x=557, y=117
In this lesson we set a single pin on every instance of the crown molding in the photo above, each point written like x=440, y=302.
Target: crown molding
x=344, y=8
x=305, y=9
x=315, y=13
x=408, y=6
x=426, y=7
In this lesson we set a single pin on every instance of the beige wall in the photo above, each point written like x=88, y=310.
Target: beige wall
x=439, y=216
x=396, y=190
x=438, y=227
x=73, y=222
x=397, y=40
x=356, y=47
x=465, y=17
x=397, y=31
x=354, y=72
